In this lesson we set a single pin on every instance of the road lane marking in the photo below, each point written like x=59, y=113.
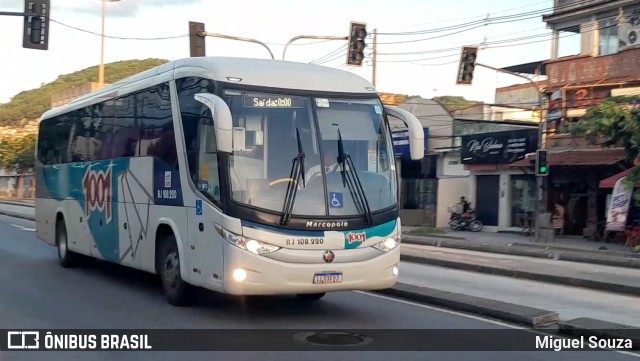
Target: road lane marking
x=478, y=318
x=24, y=228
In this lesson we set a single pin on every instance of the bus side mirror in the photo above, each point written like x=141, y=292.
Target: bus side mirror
x=416, y=132
x=222, y=120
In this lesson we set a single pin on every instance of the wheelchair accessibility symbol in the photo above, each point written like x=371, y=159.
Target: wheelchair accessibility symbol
x=335, y=199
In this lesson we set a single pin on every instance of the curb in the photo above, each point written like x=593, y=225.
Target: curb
x=585, y=326
x=17, y=215
x=408, y=234
x=596, y=253
x=477, y=247
x=541, y=277
x=534, y=252
x=543, y=320
x=16, y=203
x=523, y=315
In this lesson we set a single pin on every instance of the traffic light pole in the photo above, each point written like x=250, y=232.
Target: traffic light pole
x=204, y=33
x=13, y=13
x=319, y=37
x=542, y=201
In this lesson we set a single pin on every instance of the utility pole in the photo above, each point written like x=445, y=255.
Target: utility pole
x=375, y=54
x=101, y=67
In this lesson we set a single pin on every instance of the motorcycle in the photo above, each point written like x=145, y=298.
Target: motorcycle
x=465, y=221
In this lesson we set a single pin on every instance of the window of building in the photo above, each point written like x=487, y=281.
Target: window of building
x=608, y=34
x=569, y=41
x=523, y=198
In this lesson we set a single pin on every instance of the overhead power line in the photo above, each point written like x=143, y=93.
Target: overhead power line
x=118, y=37
x=487, y=20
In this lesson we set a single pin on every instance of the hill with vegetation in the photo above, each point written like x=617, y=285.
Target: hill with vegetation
x=19, y=117
x=453, y=103
x=29, y=105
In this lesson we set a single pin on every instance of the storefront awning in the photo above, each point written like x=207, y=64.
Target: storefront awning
x=611, y=181
x=585, y=157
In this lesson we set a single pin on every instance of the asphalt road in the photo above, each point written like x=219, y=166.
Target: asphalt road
x=37, y=293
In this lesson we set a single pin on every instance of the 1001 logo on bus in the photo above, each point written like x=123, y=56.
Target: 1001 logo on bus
x=97, y=192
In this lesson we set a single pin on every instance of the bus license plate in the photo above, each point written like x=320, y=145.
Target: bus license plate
x=323, y=278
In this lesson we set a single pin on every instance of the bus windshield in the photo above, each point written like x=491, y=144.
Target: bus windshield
x=268, y=129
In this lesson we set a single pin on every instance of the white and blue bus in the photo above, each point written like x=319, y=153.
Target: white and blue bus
x=242, y=176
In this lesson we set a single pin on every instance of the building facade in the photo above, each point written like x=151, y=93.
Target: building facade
x=427, y=186
x=594, y=55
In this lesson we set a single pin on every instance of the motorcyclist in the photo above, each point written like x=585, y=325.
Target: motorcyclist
x=465, y=205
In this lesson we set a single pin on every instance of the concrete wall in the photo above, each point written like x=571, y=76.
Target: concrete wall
x=449, y=192
x=449, y=165
x=17, y=186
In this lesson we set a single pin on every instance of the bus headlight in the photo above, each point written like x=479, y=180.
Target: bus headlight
x=251, y=245
x=388, y=244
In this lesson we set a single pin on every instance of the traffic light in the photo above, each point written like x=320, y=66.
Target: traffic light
x=196, y=39
x=467, y=64
x=542, y=165
x=355, y=52
x=36, y=27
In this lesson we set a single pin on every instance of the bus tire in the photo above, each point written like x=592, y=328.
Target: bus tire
x=310, y=296
x=66, y=258
x=176, y=290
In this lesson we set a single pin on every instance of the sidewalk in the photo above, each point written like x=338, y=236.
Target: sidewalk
x=592, y=276
x=574, y=249
x=19, y=209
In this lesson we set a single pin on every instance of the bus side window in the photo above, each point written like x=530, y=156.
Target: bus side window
x=81, y=119
x=126, y=128
x=207, y=175
x=157, y=136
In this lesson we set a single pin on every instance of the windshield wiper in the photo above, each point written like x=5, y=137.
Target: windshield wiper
x=350, y=178
x=297, y=172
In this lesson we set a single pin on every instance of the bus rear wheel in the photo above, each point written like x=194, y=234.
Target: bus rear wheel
x=66, y=257
x=176, y=290
x=310, y=296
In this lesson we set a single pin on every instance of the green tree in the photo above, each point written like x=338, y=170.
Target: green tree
x=615, y=121
x=17, y=153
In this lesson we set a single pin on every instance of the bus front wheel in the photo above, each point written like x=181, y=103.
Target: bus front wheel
x=177, y=291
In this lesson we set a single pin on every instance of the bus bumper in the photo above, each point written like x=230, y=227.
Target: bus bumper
x=264, y=276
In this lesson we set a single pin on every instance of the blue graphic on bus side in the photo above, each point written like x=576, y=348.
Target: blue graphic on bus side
x=336, y=200
x=94, y=185
x=198, y=207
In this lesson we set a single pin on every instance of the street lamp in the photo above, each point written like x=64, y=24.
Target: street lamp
x=101, y=69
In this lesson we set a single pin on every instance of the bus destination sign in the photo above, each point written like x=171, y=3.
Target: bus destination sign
x=273, y=102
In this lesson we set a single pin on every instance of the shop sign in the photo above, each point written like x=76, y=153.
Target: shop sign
x=499, y=147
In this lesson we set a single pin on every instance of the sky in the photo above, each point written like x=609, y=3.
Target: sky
x=440, y=29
